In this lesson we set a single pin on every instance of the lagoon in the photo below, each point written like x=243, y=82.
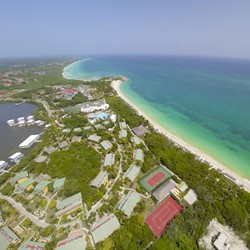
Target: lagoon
x=11, y=137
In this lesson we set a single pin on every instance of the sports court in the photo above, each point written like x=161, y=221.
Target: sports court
x=160, y=218
x=156, y=177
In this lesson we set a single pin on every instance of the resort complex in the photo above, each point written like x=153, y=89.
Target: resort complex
x=100, y=176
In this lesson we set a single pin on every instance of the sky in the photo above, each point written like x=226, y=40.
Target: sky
x=217, y=28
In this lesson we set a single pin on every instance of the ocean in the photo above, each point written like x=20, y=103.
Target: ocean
x=203, y=101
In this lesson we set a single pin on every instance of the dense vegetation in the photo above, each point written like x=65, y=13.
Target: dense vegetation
x=79, y=164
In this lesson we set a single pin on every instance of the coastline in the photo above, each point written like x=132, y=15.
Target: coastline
x=71, y=65
x=179, y=142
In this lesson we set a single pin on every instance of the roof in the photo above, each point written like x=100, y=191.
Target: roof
x=164, y=190
x=221, y=242
x=138, y=154
x=182, y=186
x=104, y=227
x=3, y=164
x=99, y=179
x=20, y=175
x=63, y=144
x=14, y=156
x=162, y=215
x=29, y=141
x=76, y=139
x=69, y=201
x=109, y=159
x=32, y=245
x=128, y=204
x=59, y=183
x=94, y=137
x=50, y=150
x=106, y=144
x=76, y=241
x=132, y=172
x=123, y=133
x=4, y=242
x=123, y=125
x=41, y=186
x=25, y=184
x=41, y=158
x=190, y=197
x=135, y=140
x=140, y=130
x=7, y=236
x=77, y=129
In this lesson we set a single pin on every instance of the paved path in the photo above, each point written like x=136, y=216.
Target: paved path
x=99, y=203
x=24, y=212
x=131, y=189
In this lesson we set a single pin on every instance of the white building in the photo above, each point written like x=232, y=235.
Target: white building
x=89, y=107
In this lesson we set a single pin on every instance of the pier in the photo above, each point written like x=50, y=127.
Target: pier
x=29, y=141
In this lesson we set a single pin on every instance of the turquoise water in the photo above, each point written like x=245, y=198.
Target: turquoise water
x=206, y=102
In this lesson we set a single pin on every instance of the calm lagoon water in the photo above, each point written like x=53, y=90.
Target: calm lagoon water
x=11, y=137
x=204, y=101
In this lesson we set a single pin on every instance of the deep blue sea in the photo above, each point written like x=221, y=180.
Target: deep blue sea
x=204, y=101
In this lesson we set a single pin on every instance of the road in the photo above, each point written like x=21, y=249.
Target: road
x=24, y=212
x=46, y=106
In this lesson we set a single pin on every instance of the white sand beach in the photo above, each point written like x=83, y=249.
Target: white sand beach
x=201, y=155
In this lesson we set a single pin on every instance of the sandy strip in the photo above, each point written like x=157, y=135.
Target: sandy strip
x=201, y=155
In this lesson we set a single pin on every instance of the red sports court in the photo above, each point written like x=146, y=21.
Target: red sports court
x=160, y=218
x=154, y=180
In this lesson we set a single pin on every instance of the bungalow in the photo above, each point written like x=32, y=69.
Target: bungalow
x=7, y=237
x=123, y=133
x=42, y=187
x=76, y=139
x=104, y=227
x=132, y=172
x=75, y=241
x=29, y=245
x=20, y=177
x=26, y=185
x=50, y=150
x=109, y=159
x=129, y=202
x=58, y=184
x=135, y=140
x=123, y=125
x=138, y=155
x=94, y=138
x=41, y=158
x=63, y=145
x=100, y=179
x=106, y=145
x=69, y=204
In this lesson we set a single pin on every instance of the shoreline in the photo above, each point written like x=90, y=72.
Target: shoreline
x=181, y=143
x=71, y=65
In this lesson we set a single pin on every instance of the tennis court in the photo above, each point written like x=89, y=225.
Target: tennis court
x=156, y=177
x=160, y=218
